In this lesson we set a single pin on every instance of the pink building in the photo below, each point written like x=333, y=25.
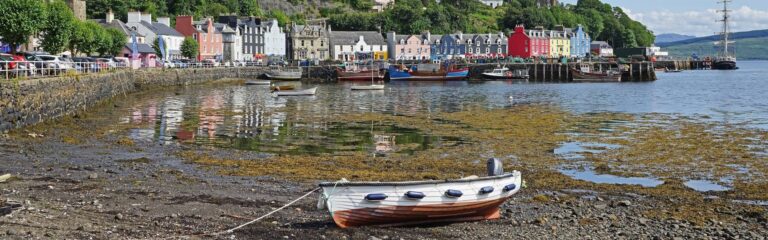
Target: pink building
x=408, y=47
x=146, y=54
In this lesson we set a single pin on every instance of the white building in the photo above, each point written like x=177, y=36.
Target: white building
x=380, y=5
x=274, y=39
x=350, y=46
x=493, y=3
x=142, y=23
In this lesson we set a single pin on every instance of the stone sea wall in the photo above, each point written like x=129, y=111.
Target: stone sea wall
x=26, y=102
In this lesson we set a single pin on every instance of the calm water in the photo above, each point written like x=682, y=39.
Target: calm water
x=249, y=117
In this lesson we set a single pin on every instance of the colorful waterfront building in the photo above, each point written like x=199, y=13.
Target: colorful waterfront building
x=580, y=42
x=357, y=45
x=559, y=43
x=488, y=45
x=205, y=33
x=601, y=49
x=143, y=24
x=449, y=46
x=309, y=42
x=524, y=43
x=408, y=47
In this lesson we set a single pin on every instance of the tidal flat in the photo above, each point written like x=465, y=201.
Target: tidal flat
x=187, y=162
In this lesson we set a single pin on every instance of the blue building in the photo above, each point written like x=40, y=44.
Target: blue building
x=580, y=42
x=449, y=46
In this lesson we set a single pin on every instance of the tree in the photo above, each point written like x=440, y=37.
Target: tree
x=58, y=27
x=101, y=40
x=21, y=19
x=250, y=8
x=189, y=48
x=118, y=41
x=156, y=46
x=82, y=38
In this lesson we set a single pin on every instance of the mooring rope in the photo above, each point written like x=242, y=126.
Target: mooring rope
x=266, y=215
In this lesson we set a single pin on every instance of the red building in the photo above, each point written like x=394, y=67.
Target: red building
x=528, y=43
x=206, y=34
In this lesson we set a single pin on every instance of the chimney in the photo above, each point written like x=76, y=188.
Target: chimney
x=461, y=35
x=164, y=20
x=429, y=36
x=134, y=17
x=110, y=16
x=146, y=17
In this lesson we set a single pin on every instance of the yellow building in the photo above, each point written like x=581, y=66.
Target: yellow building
x=559, y=44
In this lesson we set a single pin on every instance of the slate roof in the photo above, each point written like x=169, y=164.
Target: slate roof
x=351, y=37
x=223, y=28
x=142, y=47
x=161, y=29
x=119, y=25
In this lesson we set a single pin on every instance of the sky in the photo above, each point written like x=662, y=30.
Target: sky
x=693, y=17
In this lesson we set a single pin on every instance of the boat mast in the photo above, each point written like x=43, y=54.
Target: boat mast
x=725, y=32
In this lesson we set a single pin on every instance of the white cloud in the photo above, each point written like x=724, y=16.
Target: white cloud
x=701, y=23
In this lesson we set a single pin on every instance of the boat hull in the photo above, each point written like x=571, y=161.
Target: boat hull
x=502, y=77
x=397, y=75
x=579, y=76
x=359, y=76
x=283, y=75
x=306, y=92
x=724, y=65
x=349, y=208
x=368, y=87
x=258, y=82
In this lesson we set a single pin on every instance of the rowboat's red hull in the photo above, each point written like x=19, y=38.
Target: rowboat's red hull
x=412, y=215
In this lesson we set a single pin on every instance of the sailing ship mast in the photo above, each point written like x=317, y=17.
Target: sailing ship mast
x=726, y=30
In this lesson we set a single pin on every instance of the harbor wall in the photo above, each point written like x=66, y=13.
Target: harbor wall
x=26, y=102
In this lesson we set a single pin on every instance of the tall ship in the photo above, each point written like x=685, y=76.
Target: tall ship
x=725, y=60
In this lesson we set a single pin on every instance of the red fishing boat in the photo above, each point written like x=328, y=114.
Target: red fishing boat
x=359, y=74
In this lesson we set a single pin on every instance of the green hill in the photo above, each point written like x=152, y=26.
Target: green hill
x=746, y=49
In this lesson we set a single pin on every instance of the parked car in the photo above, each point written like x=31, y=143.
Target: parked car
x=7, y=65
x=109, y=61
x=87, y=64
x=168, y=64
x=122, y=61
x=210, y=63
x=180, y=64
x=53, y=64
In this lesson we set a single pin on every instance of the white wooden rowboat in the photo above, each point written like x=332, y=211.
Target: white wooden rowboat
x=258, y=82
x=368, y=87
x=418, y=202
x=304, y=92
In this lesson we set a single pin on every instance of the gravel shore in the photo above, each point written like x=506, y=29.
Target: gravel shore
x=97, y=189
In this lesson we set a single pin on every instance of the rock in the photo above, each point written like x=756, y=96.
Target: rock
x=119, y=216
x=173, y=215
x=624, y=203
x=11, y=232
x=600, y=206
x=643, y=221
x=373, y=238
x=540, y=221
x=93, y=176
x=613, y=217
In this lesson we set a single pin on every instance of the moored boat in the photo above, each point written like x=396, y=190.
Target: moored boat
x=585, y=73
x=305, y=92
x=428, y=72
x=359, y=75
x=283, y=73
x=258, y=82
x=418, y=202
x=368, y=87
x=725, y=60
x=506, y=73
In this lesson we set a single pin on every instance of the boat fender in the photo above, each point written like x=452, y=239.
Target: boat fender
x=486, y=190
x=510, y=187
x=453, y=193
x=375, y=197
x=495, y=167
x=414, y=195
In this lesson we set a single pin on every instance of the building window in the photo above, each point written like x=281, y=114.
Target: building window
x=487, y=50
x=302, y=43
x=312, y=43
x=322, y=43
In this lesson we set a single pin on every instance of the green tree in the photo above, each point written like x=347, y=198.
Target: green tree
x=102, y=41
x=250, y=8
x=281, y=17
x=189, y=48
x=118, y=42
x=156, y=46
x=21, y=19
x=82, y=38
x=58, y=27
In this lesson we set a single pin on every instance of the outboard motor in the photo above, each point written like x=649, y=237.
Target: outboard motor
x=495, y=167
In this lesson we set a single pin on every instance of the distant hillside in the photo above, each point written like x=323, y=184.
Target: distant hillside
x=671, y=37
x=746, y=49
x=713, y=38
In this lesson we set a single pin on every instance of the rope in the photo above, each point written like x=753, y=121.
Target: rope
x=267, y=215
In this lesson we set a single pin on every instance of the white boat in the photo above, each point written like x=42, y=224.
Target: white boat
x=282, y=73
x=586, y=73
x=418, y=202
x=505, y=73
x=305, y=92
x=368, y=87
x=258, y=82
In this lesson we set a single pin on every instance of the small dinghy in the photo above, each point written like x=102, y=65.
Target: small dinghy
x=258, y=82
x=368, y=87
x=420, y=202
x=305, y=92
x=282, y=88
